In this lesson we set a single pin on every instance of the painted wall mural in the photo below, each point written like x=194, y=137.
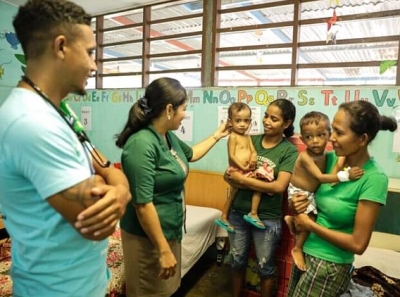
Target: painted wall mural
x=12, y=60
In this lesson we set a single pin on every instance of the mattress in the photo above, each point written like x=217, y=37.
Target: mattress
x=382, y=253
x=200, y=234
x=385, y=260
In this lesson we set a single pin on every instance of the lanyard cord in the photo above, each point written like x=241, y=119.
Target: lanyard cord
x=82, y=136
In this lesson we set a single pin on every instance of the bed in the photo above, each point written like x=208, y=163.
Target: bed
x=378, y=268
x=201, y=233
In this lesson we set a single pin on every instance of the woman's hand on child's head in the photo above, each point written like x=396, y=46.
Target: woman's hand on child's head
x=299, y=202
x=223, y=130
x=355, y=173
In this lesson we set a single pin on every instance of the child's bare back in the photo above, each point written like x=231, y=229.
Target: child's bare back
x=301, y=177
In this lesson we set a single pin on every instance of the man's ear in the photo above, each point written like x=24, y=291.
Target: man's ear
x=59, y=46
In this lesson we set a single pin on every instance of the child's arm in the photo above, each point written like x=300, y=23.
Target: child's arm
x=353, y=172
x=315, y=172
x=253, y=156
x=233, y=161
x=339, y=165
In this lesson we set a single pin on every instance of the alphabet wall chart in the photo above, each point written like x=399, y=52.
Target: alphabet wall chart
x=109, y=110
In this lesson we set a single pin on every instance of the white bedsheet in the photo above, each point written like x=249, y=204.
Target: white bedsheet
x=385, y=260
x=200, y=234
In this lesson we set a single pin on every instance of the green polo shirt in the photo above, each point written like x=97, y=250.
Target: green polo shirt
x=281, y=157
x=337, y=207
x=156, y=176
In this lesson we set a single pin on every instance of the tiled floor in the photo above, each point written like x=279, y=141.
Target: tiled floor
x=206, y=279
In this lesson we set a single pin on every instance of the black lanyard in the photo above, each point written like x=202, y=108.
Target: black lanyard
x=82, y=136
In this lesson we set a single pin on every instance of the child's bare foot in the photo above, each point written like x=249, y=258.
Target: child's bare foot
x=290, y=222
x=298, y=258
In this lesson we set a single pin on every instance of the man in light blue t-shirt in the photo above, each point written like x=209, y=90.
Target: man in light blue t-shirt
x=59, y=206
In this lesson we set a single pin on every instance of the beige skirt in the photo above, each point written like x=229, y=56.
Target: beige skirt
x=141, y=261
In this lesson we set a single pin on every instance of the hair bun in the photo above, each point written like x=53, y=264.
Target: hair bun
x=388, y=123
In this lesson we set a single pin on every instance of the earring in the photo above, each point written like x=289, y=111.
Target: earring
x=168, y=117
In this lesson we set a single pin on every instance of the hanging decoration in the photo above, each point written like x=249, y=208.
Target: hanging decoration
x=332, y=28
x=259, y=53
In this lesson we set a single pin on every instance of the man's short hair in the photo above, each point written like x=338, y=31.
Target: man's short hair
x=38, y=22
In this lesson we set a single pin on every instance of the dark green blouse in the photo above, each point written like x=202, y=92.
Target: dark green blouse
x=156, y=176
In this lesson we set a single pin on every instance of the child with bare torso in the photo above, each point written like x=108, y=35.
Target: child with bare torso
x=243, y=157
x=308, y=172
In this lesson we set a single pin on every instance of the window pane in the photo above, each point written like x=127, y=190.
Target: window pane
x=123, y=18
x=91, y=83
x=122, y=82
x=175, y=62
x=123, y=35
x=123, y=66
x=93, y=24
x=378, y=51
x=226, y=4
x=118, y=51
x=257, y=16
x=179, y=8
x=177, y=27
x=257, y=37
x=322, y=8
x=256, y=57
x=352, y=29
x=189, y=79
x=175, y=45
x=347, y=76
x=269, y=77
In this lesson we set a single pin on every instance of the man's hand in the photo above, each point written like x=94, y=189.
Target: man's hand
x=102, y=217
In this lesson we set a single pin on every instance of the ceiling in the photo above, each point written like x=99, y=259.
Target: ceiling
x=96, y=7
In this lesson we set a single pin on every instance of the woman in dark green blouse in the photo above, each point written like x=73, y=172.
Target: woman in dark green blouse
x=155, y=162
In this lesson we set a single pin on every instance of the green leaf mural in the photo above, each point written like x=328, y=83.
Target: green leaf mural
x=385, y=65
x=22, y=59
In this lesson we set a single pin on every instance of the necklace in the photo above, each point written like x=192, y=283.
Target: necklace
x=82, y=136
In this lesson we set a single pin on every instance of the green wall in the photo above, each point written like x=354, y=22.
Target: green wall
x=388, y=219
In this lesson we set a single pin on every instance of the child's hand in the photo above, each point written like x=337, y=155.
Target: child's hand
x=355, y=173
x=247, y=167
x=253, y=163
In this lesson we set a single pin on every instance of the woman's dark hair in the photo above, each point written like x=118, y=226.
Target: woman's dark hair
x=157, y=96
x=288, y=113
x=365, y=119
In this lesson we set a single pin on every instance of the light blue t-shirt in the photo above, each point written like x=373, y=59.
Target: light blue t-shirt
x=39, y=157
